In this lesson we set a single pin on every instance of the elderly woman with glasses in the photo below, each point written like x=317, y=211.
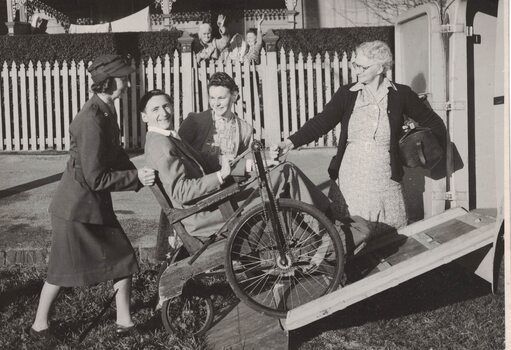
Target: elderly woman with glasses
x=371, y=114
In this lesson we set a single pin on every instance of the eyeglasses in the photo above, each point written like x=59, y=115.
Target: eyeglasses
x=360, y=67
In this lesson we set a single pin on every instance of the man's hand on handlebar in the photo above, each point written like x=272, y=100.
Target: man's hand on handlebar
x=226, y=166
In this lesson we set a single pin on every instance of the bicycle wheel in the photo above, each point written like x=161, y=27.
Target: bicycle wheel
x=188, y=314
x=314, y=258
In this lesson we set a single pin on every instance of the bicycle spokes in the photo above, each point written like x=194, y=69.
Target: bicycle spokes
x=313, y=258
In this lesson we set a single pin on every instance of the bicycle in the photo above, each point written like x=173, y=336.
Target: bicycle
x=276, y=255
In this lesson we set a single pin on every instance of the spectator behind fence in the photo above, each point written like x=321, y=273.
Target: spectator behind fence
x=89, y=245
x=207, y=48
x=367, y=164
x=248, y=50
x=38, y=24
x=254, y=39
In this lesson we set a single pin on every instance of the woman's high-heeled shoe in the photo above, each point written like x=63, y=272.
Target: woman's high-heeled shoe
x=122, y=331
x=42, y=335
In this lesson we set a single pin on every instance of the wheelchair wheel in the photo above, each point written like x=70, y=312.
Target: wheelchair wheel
x=257, y=275
x=188, y=314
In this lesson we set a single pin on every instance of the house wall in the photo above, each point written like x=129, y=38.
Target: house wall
x=310, y=13
x=338, y=13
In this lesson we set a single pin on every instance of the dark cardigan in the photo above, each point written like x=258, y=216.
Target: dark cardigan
x=402, y=102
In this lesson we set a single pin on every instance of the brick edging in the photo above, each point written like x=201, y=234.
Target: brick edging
x=39, y=256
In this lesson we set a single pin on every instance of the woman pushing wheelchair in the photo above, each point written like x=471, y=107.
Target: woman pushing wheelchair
x=89, y=245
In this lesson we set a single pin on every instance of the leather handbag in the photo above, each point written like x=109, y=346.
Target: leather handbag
x=419, y=147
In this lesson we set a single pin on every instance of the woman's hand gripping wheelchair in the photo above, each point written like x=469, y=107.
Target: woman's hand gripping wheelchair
x=276, y=255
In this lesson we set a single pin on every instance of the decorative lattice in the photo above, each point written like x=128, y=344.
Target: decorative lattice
x=270, y=14
x=84, y=21
x=183, y=17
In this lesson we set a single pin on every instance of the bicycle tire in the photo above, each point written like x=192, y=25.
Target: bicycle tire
x=254, y=273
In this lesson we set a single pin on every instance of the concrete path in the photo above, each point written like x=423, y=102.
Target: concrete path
x=28, y=181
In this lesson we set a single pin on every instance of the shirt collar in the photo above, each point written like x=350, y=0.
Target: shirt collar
x=387, y=83
x=163, y=131
x=224, y=119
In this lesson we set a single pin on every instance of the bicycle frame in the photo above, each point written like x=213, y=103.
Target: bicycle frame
x=270, y=204
x=268, y=199
x=210, y=255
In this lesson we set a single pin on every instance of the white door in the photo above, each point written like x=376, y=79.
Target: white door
x=502, y=141
x=420, y=62
x=482, y=16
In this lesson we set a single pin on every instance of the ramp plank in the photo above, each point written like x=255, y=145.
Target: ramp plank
x=408, y=250
x=244, y=328
x=410, y=259
x=426, y=240
x=432, y=221
x=412, y=229
x=449, y=230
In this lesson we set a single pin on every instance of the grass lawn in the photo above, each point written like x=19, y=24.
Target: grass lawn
x=447, y=308
x=444, y=309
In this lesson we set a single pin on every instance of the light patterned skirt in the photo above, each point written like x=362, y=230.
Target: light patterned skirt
x=366, y=190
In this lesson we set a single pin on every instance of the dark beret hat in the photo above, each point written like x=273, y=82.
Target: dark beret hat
x=109, y=66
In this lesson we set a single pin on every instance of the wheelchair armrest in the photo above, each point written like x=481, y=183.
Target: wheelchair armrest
x=179, y=214
x=192, y=244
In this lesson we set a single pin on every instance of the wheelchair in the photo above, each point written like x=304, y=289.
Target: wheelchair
x=276, y=255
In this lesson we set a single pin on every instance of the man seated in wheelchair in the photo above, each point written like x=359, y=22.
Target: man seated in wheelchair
x=192, y=172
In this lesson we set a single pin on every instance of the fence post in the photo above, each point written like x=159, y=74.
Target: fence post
x=186, y=70
x=271, y=109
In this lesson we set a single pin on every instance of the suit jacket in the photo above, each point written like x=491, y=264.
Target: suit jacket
x=182, y=173
x=97, y=166
x=195, y=129
x=402, y=102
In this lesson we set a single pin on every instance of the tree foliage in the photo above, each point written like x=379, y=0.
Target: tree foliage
x=388, y=10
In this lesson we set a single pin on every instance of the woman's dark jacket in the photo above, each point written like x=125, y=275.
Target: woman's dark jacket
x=97, y=165
x=402, y=102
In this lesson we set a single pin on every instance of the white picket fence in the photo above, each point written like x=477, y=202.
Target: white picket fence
x=276, y=97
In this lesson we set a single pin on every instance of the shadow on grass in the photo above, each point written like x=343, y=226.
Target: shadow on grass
x=30, y=185
x=20, y=197
x=24, y=235
x=75, y=309
x=446, y=285
x=28, y=289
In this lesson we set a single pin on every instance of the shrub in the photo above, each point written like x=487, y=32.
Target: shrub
x=23, y=48
x=332, y=39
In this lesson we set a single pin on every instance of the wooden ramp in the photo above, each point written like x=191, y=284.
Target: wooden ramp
x=244, y=328
x=412, y=251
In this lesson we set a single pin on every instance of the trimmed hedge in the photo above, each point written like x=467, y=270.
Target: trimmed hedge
x=23, y=48
x=332, y=39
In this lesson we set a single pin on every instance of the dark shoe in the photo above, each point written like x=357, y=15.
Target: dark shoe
x=122, y=331
x=44, y=335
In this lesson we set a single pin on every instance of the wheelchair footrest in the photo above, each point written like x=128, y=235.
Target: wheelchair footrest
x=176, y=275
